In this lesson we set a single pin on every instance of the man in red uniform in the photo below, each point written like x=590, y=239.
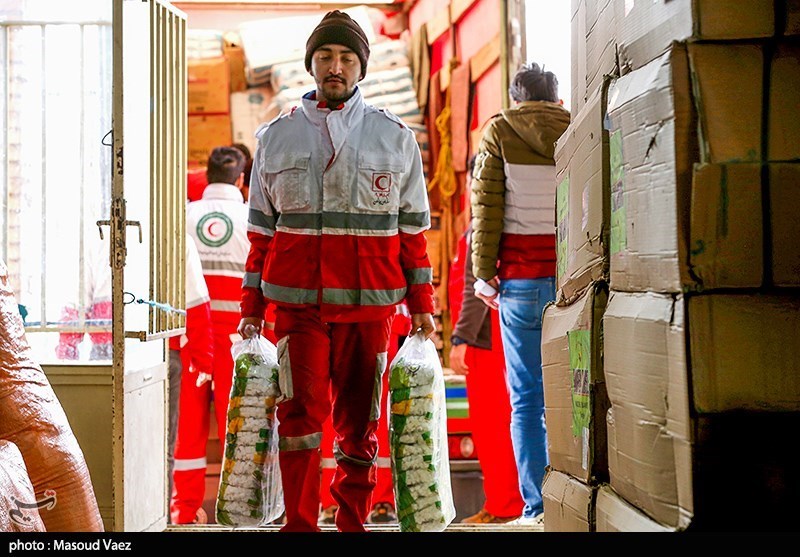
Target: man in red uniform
x=218, y=224
x=192, y=352
x=477, y=353
x=338, y=207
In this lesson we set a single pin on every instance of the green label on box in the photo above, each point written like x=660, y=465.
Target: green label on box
x=580, y=375
x=562, y=231
x=619, y=238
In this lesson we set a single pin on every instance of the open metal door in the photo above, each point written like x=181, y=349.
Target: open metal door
x=147, y=234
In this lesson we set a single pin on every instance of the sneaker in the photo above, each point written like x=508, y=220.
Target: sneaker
x=382, y=513
x=485, y=517
x=328, y=515
x=537, y=520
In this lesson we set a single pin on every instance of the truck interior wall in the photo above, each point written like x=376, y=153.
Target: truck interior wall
x=424, y=10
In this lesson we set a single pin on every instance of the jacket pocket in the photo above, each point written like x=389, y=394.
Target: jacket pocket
x=377, y=186
x=288, y=180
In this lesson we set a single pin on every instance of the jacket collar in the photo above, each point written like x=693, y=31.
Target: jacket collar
x=318, y=114
x=219, y=190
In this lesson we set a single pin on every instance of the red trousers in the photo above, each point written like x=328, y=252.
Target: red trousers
x=384, y=490
x=490, y=419
x=336, y=370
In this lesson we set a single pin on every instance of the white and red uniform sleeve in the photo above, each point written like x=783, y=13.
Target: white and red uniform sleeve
x=198, y=338
x=260, y=231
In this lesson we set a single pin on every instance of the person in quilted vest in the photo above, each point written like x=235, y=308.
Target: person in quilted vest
x=514, y=257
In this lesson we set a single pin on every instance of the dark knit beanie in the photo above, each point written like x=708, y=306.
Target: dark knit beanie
x=339, y=28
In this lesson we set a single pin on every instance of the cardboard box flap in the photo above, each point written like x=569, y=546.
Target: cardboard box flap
x=649, y=424
x=567, y=502
x=614, y=514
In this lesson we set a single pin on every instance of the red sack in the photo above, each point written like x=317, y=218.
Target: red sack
x=32, y=418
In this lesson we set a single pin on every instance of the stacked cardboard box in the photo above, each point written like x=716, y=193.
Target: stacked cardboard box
x=576, y=401
x=702, y=328
x=208, y=107
x=677, y=184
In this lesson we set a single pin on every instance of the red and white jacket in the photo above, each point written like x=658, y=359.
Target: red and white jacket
x=338, y=207
x=198, y=338
x=218, y=224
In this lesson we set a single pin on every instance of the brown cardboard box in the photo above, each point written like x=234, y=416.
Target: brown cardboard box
x=733, y=454
x=744, y=349
x=575, y=397
x=208, y=86
x=646, y=29
x=745, y=453
x=730, y=125
x=593, y=52
x=784, y=107
x=726, y=226
x=567, y=502
x=668, y=409
x=649, y=436
x=652, y=149
x=250, y=109
x=601, y=45
x=582, y=200
x=615, y=514
x=235, y=57
x=676, y=225
x=728, y=232
x=784, y=180
x=740, y=346
x=578, y=56
x=204, y=134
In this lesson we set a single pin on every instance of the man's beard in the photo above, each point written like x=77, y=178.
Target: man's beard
x=336, y=94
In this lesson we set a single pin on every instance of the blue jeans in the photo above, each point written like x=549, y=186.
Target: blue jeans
x=522, y=302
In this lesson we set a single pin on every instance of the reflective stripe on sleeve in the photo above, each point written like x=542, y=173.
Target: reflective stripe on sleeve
x=185, y=464
x=420, y=275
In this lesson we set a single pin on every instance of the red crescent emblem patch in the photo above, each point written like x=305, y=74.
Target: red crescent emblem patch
x=381, y=182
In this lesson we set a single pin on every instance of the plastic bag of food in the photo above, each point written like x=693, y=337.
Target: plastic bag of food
x=250, y=492
x=418, y=438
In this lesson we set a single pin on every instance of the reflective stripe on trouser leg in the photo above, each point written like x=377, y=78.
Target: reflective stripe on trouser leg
x=358, y=351
x=300, y=419
x=189, y=475
x=328, y=464
x=299, y=461
x=384, y=490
